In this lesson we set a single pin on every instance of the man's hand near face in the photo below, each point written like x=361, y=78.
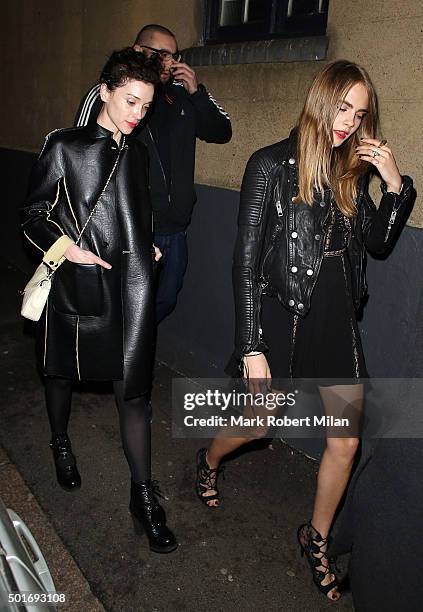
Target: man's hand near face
x=184, y=73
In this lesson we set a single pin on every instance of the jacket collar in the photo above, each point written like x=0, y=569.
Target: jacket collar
x=290, y=153
x=96, y=130
x=292, y=144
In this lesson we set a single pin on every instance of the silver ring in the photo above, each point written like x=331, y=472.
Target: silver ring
x=375, y=154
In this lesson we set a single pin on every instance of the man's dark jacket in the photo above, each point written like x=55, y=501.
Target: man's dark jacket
x=181, y=118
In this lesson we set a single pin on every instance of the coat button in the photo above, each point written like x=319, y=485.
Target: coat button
x=294, y=269
x=300, y=306
x=309, y=272
x=317, y=237
x=51, y=263
x=294, y=235
x=291, y=303
x=291, y=161
x=322, y=203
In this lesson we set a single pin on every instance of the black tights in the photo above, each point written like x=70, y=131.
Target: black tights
x=134, y=418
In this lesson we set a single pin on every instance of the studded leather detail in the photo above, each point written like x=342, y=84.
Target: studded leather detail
x=279, y=246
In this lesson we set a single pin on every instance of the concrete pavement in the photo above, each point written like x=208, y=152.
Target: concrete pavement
x=243, y=556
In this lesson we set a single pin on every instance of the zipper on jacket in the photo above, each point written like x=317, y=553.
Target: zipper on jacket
x=395, y=207
x=256, y=325
x=264, y=263
x=279, y=208
x=269, y=250
x=390, y=224
x=275, y=232
x=160, y=162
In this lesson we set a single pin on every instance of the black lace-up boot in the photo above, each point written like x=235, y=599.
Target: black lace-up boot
x=149, y=516
x=67, y=473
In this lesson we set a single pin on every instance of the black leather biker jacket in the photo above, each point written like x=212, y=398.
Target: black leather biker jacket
x=279, y=247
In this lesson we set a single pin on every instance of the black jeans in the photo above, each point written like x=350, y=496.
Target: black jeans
x=172, y=268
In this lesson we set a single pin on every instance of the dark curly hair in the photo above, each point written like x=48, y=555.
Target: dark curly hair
x=130, y=64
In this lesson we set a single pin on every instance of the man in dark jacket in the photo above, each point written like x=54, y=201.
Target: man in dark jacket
x=183, y=111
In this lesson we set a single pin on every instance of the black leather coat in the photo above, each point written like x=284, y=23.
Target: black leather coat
x=279, y=247
x=98, y=323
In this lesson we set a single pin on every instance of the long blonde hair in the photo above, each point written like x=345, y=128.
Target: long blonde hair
x=320, y=164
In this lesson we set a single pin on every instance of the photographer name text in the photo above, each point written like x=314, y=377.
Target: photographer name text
x=264, y=421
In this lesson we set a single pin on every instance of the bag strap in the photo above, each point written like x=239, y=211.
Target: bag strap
x=102, y=193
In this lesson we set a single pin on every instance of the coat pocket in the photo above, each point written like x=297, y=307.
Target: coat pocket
x=78, y=289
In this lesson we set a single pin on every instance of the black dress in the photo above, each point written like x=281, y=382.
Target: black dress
x=325, y=344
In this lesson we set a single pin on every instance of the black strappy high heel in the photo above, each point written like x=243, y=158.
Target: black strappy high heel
x=311, y=544
x=207, y=480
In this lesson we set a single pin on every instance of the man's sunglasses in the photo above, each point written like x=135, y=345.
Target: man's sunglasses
x=164, y=55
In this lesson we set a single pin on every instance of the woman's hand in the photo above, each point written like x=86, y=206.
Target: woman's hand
x=157, y=253
x=381, y=157
x=256, y=371
x=77, y=255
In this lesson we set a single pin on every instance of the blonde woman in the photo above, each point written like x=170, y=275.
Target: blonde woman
x=305, y=222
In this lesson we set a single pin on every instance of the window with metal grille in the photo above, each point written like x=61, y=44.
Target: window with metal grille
x=241, y=20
